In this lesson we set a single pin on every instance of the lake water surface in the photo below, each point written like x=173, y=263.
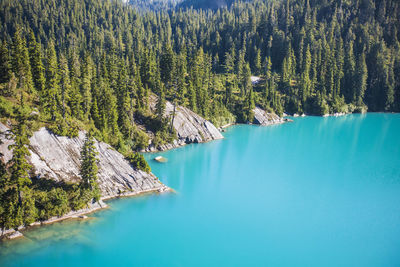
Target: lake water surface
x=315, y=192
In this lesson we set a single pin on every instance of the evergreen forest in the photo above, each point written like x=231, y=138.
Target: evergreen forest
x=101, y=65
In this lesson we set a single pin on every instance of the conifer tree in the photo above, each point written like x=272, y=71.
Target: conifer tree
x=360, y=79
x=49, y=96
x=245, y=80
x=349, y=69
x=35, y=57
x=65, y=85
x=167, y=63
x=257, y=62
x=22, y=210
x=160, y=107
x=5, y=66
x=20, y=62
x=249, y=106
x=89, y=170
x=75, y=97
x=305, y=76
x=4, y=182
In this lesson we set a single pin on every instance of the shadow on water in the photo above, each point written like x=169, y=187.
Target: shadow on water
x=39, y=237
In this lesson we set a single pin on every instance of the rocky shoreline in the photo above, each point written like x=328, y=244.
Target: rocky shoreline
x=10, y=234
x=189, y=127
x=58, y=158
x=192, y=128
x=337, y=114
x=261, y=117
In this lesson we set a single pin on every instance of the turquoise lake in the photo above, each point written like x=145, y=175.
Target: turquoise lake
x=315, y=192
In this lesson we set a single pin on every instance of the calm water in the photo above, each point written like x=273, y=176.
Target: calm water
x=316, y=192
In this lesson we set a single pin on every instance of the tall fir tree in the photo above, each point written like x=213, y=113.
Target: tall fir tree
x=50, y=95
x=20, y=62
x=35, y=56
x=5, y=64
x=89, y=170
x=22, y=210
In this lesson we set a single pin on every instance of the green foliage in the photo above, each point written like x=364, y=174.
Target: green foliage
x=5, y=64
x=312, y=51
x=65, y=128
x=18, y=206
x=140, y=140
x=52, y=203
x=314, y=57
x=88, y=171
x=6, y=108
x=138, y=162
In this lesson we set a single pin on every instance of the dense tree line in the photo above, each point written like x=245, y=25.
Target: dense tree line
x=104, y=66
x=154, y=5
x=100, y=61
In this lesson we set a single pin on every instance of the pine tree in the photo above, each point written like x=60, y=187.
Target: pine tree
x=192, y=96
x=89, y=170
x=51, y=93
x=160, y=107
x=349, y=69
x=390, y=86
x=86, y=85
x=268, y=68
x=75, y=97
x=22, y=210
x=360, y=79
x=35, y=57
x=5, y=66
x=167, y=64
x=65, y=85
x=305, y=76
x=125, y=112
x=245, y=80
x=257, y=62
x=4, y=182
x=179, y=78
x=20, y=62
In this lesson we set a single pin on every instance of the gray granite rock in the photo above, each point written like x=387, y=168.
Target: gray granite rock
x=58, y=158
x=189, y=126
x=261, y=117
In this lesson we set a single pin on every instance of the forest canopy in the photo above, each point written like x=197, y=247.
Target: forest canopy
x=108, y=68
x=96, y=64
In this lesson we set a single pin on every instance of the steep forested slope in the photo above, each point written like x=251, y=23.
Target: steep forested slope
x=97, y=65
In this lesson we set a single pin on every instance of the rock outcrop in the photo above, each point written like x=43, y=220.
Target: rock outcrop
x=58, y=158
x=189, y=126
x=261, y=117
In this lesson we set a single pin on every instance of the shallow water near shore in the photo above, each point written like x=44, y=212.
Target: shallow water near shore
x=315, y=192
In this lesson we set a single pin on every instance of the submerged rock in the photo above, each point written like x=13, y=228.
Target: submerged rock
x=160, y=159
x=14, y=235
